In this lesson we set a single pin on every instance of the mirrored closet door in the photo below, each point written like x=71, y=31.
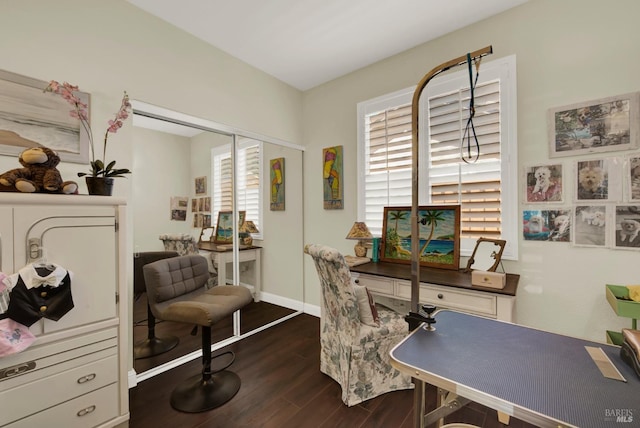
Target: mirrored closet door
x=189, y=173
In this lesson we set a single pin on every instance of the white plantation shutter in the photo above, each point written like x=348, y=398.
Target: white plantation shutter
x=476, y=185
x=248, y=176
x=249, y=161
x=387, y=158
x=486, y=189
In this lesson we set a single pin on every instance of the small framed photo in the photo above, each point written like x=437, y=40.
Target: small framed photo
x=633, y=177
x=627, y=227
x=546, y=225
x=543, y=183
x=599, y=180
x=201, y=185
x=604, y=125
x=590, y=226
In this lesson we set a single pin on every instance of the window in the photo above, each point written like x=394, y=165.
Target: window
x=486, y=189
x=249, y=186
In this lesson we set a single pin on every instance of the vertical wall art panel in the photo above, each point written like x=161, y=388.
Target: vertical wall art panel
x=332, y=175
x=276, y=174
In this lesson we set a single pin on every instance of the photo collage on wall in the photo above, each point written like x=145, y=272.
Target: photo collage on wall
x=592, y=202
x=201, y=207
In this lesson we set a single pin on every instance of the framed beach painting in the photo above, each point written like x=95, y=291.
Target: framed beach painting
x=30, y=117
x=224, y=228
x=439, y=232
x=604, y=125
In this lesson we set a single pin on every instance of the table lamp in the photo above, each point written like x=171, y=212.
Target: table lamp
x=247, y=228
x=360, y=231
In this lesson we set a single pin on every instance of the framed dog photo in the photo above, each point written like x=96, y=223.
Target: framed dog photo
x=546, y=225
x=627, y=227
x=590, y=226
x=604, y=125
x=599, y=180
x=543, y=183
x=633, y=178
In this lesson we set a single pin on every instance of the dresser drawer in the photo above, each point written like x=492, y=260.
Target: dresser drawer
x=56, y=384
x=376, y=284
x=89, y=410
x=452, y=298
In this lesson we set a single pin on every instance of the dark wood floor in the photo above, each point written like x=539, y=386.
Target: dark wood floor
x=282, y=387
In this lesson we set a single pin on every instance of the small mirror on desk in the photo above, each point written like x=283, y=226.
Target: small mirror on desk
x=207, y=234
x=486, y=255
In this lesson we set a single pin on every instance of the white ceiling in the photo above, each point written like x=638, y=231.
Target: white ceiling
x=309, y=42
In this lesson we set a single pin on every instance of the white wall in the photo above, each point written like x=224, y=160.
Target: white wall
x=569, y=51
x=161, y=162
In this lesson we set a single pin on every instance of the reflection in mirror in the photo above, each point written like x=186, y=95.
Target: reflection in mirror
x=487, y=255
x=206, y=234
x=182, y=157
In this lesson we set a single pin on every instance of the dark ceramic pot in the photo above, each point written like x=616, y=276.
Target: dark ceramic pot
x=99, y=185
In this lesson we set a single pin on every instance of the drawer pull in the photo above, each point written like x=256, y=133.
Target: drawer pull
x=440, y=296
x=87, y=378
x=86, y=410
x=357, y=281
x=17, y=369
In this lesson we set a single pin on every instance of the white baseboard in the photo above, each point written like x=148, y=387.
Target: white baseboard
x=312, y=310
x=132, y=378
x=296, y=305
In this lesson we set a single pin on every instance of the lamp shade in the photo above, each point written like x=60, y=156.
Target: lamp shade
x=248, y=227
x=359, y=230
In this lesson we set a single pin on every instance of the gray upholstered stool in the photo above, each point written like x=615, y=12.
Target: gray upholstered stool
x=152, y=345
x=176, y=292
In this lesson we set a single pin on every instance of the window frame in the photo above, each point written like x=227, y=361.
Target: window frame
x=224, y=151
x=503, y=69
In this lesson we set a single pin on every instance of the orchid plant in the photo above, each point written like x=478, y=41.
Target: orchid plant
x=99, y=167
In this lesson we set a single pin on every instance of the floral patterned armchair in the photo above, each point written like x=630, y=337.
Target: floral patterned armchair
x=182, y=243
x=185, y=244
x=354, y=354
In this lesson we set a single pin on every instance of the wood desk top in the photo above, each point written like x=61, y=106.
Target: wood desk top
x=452, y=278
x=210, y=246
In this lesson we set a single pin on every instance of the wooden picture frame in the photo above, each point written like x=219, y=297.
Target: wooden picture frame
x=439, y=229
x=603, y=125
x=201, y=185
x=224, y=228
x=30, y=117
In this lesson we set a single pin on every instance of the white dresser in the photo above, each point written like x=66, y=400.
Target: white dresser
x=443, y=288
x=75, y=373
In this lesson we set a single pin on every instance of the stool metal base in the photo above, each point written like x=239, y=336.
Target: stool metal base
x=155, y=346
x=198, y=395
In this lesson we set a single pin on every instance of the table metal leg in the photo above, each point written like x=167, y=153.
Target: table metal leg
x=418, y=403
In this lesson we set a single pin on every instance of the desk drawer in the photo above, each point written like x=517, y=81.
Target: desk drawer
x=89, y=410
x=447, y=297
x=376, y=284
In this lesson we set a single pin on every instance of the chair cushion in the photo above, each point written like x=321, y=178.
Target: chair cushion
x=366, y=306
x=210, y=306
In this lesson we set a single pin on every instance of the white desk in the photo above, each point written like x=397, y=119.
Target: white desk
x=221, y=258
x=440, y=287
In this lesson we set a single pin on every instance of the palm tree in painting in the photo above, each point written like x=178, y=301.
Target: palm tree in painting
x=431, y=217
x=397, y=215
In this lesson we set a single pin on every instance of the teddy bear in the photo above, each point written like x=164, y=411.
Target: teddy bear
x=39, y=173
